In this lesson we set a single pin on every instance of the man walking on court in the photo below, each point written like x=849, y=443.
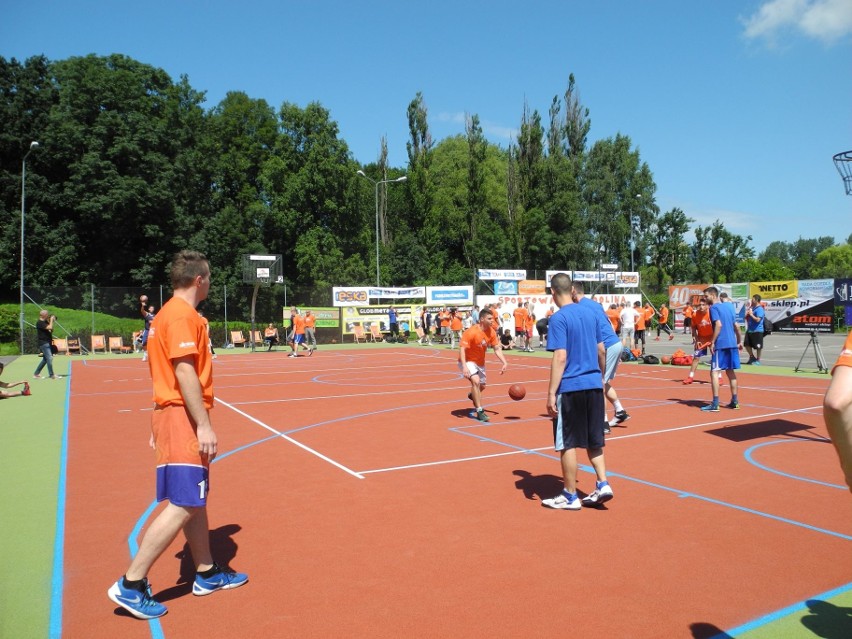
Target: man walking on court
x=575, y=395
x=182, y=374
x=613, y=348
x=724, y=348
x=473, y=345
x=754, y=316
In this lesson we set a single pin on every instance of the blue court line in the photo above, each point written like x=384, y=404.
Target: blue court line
x=154, y=624
x=681, y=493
x=752, y=460
x=57, y=581
x=780, y=614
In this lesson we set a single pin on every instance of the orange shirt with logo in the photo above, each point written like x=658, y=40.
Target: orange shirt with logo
x=178, y=331
x=521, y=315
x=640, y=320
x=703, y=326
x=310, y=321
x=456, y=322
x=688, y=311
x=664, y=315
x=476, y=341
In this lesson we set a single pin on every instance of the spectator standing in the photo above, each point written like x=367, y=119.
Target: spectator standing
x=44, y=335
x=753, y=342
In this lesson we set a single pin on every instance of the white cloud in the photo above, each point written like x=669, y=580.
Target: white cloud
x=825, y=20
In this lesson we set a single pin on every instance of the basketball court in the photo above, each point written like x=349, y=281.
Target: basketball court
x=362, y=500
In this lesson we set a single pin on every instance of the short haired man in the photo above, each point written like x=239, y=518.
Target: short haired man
x=724, y=347
x=183, y=436
x=753, y=341
x=575, y=395
x=473, y=345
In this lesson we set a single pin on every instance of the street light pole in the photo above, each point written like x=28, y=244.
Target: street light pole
x=632, y=242
x=33, y=146
x=376, y=185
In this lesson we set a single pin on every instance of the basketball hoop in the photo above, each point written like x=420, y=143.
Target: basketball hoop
x=843, y=162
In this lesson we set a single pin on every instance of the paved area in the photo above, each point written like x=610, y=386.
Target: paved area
x=779, y=349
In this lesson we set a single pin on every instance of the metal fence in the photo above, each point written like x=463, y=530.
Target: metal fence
x=115, y=311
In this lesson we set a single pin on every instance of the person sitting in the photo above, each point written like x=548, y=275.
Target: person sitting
x=507, y=340
x=7, y=394
x=270, y=336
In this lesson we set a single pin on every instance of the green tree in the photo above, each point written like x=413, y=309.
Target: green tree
x=668, y=252
x=717, y=253
x=835, y=261
x=770, y=270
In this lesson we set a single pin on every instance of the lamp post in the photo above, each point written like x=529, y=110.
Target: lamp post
x=632, y=242
x=376, y=184
x=33, y=146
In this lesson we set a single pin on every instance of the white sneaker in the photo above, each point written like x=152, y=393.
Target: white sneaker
x=601, y=494
x=561, y=502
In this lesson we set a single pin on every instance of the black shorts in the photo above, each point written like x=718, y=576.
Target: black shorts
x=580, y=421
x=754, y=340
x=639, y=336
x=687, y=322
x=519, y=332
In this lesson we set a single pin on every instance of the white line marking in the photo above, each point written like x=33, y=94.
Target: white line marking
x=290, y=439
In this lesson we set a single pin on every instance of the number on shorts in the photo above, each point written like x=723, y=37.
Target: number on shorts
x=202, y=489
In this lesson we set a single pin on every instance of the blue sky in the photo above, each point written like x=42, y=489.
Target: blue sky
x=737, y=106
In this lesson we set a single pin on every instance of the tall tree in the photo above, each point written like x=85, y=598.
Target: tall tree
x=577, y=122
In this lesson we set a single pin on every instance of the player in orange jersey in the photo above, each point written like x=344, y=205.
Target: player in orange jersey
x=702, y=336
x=183, y=436
x=472, y=348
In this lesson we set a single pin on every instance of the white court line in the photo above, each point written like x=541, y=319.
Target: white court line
x=291, y=440
x=527, y=451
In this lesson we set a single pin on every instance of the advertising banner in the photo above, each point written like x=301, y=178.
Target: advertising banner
x=843, y=292
x=498, y=274
x=626, y=280
x=774, y=290
x=549, y=274
x=363, y=295
x=449, y=295
x=506, y=288
x=531, y=287
x=539, y=305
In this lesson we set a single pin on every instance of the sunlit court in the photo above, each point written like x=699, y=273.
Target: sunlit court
x=363, y=500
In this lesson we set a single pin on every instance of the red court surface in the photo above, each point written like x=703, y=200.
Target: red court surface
x=363, y=501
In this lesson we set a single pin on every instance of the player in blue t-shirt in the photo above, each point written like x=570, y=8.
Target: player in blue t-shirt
x=724, y=347
x=575, y=395
x=753, y=341
x=613, y=348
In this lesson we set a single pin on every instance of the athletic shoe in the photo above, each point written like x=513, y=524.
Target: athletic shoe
x=563, y=502
x=292, y=355
x=710, y=408
x=750, y=361
x=656, y=339
x=310, y=352
x=688, y=380
x=607, y=429
x=222, y=579
x=621, y=417
x=481, y=416
x=26, y=391
x=671, y=337
x=601, y=494
x=36, y=376
x=756, y=362
x=733, y=406
x=139, y=604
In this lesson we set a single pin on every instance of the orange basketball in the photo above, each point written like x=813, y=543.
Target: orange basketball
x=666, y=359
x=517, y=392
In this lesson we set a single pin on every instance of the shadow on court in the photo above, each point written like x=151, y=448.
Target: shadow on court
x=764, y=429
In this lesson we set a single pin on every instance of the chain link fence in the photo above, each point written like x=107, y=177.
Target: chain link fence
x=114, y=311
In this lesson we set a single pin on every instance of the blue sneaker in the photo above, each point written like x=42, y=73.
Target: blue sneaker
x=139, y=604
x=710, y=408
x=223, y=579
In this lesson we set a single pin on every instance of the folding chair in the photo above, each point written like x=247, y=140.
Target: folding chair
x=116, y=345
x=376, y=334
x=237, y=339
x=358, y=333
x=99, y=343
x=74, y=346
x=257, y=338
x=61, y=346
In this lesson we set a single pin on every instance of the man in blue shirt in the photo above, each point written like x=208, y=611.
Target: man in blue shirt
x=575, y=394
x=753, y=341
x=613, y=348
x=724, y=347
